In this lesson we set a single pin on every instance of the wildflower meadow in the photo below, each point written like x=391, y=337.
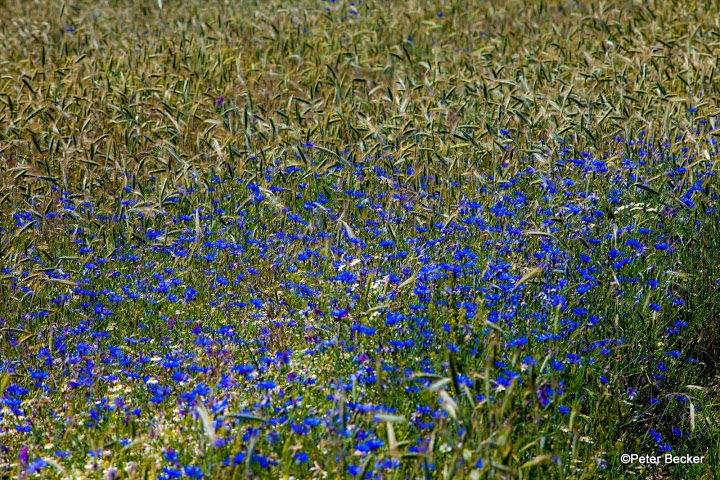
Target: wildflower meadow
x=377, y=239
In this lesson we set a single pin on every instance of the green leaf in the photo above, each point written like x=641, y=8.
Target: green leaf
x=247, y=417
x=538, y=460
x=4, y=382
x=532, y=273
x=382, y=417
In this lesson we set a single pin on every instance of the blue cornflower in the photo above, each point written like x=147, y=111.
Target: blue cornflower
x=193, y=471
x=168, y=472
x=301, y=457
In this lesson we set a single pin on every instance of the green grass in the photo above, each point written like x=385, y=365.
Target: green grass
x=406, y=239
